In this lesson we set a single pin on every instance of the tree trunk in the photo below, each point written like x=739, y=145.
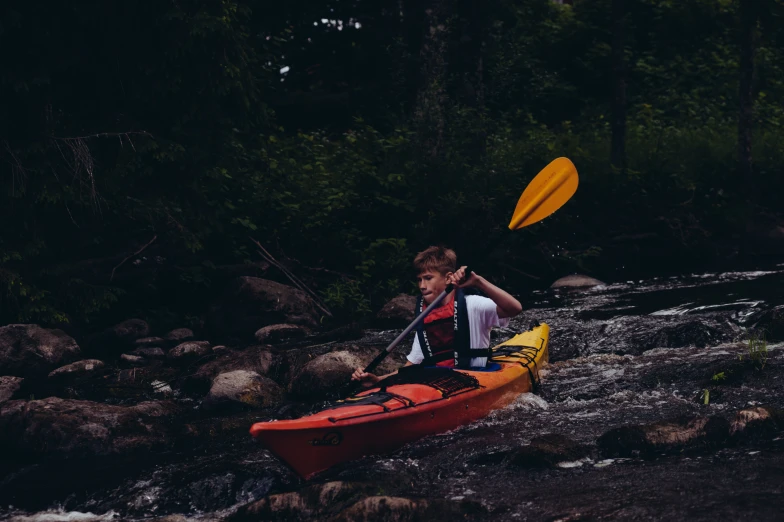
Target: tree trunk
x=413, y=23
x=748, y=21
x=618, y=124
x=430, y=110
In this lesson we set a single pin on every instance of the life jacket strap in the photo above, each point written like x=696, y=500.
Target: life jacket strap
x=435, y=359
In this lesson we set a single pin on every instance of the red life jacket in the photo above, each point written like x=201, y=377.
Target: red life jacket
x=444, y=336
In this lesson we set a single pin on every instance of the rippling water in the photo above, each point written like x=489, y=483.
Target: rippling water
x=624, y=354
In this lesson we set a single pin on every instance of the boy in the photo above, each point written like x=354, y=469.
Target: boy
x=440, y=332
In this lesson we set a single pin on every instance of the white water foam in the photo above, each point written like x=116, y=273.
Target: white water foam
x=65, y=516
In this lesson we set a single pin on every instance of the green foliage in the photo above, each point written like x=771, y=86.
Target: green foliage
x=346, y=300
x=192, y=135
x=758, y=351
x=719, y=377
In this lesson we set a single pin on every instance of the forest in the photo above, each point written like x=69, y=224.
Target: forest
x=151, y=151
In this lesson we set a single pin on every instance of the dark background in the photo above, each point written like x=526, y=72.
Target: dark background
x=145, y=145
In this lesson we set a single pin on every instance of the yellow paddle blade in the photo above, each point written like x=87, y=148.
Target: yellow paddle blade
x=546, y=193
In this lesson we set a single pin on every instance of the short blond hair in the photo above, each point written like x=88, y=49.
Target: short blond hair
x=438, y=258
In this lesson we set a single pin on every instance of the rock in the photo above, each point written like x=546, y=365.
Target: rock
x=397, y=313
x=323, y=374
x=286, y=364
x=74, y=372
x=150, y=342
x=9, y=386
x=756, y=421
x=256, y=359
x=130, y=330
x=347, y=499
x=183, y=518
x=187, y=352
x=276, y=333
x=330, y=493
x=179, y=335
x=157, y=409
x=251, y=303
x=396, y=509
x=689, y=333
x=132, y=360
x=282, y=506
x=347, y=332
x=547, y=451
x=664, y=437
x=70, y=428
x=149, y=353
x=771, y=324
x=119, y=337
x=366, y=354
x=221, y=349
x=577, y=281
x=27, y=350
x=242, y=389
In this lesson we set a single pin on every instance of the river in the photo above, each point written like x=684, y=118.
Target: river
x=624, y=356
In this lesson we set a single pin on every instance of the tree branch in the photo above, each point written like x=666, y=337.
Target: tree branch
x=102, y=135
x=294, y=279
x=150, y=242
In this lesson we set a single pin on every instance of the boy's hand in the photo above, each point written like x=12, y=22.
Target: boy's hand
x=367, y=379
x=459, y=279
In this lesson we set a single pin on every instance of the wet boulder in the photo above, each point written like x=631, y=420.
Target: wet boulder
x=326, y=373
x=397, y=313
x=241, y=390
x=221, y=349
x=27, y=350
x=276, y=333
x=149, y=353
x=345, y=501
x=757, y=421
x=118, y=338
x=576, y=281
x=398, y=509
x=312, y=502
x=286, y=364
x=188, y=352
x=257, y=359
x=250, y=303
x=178, y=336
x=72, y=428
x=9, y=386
x=75, y=372
x=392, y=362
x=150, y=342
x=692, y=433
x=281, y=506
x=694, y=332
x=133, y=361
x=547, y=451
x=770, y=323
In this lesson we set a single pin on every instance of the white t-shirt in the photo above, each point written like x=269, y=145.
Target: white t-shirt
x=482, y=317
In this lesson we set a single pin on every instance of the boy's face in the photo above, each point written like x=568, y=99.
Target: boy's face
x=431, y=284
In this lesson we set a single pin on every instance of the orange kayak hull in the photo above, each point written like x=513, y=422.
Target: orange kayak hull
x=315, y=443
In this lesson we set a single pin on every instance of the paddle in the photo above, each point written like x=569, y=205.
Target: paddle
x=545, y=194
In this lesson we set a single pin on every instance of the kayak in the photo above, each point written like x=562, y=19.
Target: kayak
x=415, y=403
